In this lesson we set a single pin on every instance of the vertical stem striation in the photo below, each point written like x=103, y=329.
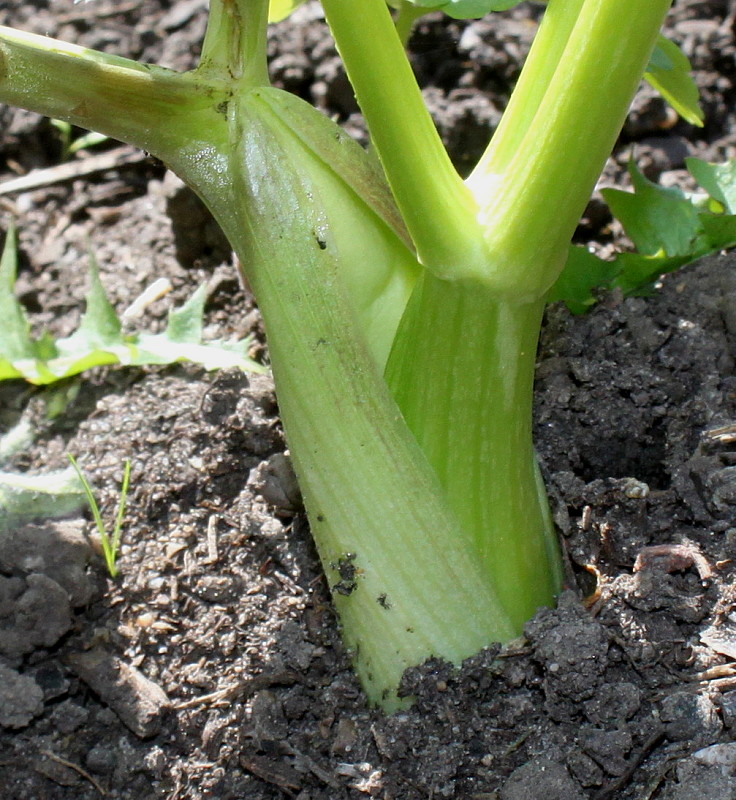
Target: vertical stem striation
x=532, y=191
x=462, y=372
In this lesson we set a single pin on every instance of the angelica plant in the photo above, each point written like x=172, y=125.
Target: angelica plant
x=402, y=304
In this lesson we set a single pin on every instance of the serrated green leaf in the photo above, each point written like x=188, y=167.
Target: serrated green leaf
x=15, y=337
x=99, y=327
x=185, y=323
x=669, y=72
x=670, y=229
x=719, y=180
x=656, y=218
x=582, y=273
x=638, y=272
x=99, y=340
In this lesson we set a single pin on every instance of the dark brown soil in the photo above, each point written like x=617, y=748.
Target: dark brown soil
x=212, y=667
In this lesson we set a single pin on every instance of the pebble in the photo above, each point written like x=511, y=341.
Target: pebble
x=101, y=759
x=275, y=481
x=718, y=755
x=21, y=698
x=68, y=716
x=690, y=716
x=541, y=778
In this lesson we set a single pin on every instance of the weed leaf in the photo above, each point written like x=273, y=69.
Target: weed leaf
x=99, y=327
x=185, y=323
x=719, y=180
x=583, y=273
x=655, y=217
x=669, y=228
x=99, y=340
x=15, y=341
x=669, y=73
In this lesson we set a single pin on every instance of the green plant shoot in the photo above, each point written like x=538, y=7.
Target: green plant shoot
x=402, y=303
x=110, y=542
x=99, y=340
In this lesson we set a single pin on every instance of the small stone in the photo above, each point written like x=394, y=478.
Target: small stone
x=101, y=759
x=21, y=698
x=68, y=716
x=541, y=778
x=718, y=755
x=275, y=481
x=690, y=716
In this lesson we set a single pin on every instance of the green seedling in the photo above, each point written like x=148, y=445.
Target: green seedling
x=99, y=340
x=402, y=301
x=110, y=542
x=70, y=146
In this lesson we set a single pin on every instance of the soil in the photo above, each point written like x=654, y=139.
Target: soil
x=212, y=667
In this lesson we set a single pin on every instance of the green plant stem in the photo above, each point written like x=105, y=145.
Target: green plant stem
x=437, y=207
x=235, y=41
x=530, y=207
x=462, y=364
x=115, y=96
x=421, y=540
x=368, y=488
x=471, y=360
x=539, y=69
